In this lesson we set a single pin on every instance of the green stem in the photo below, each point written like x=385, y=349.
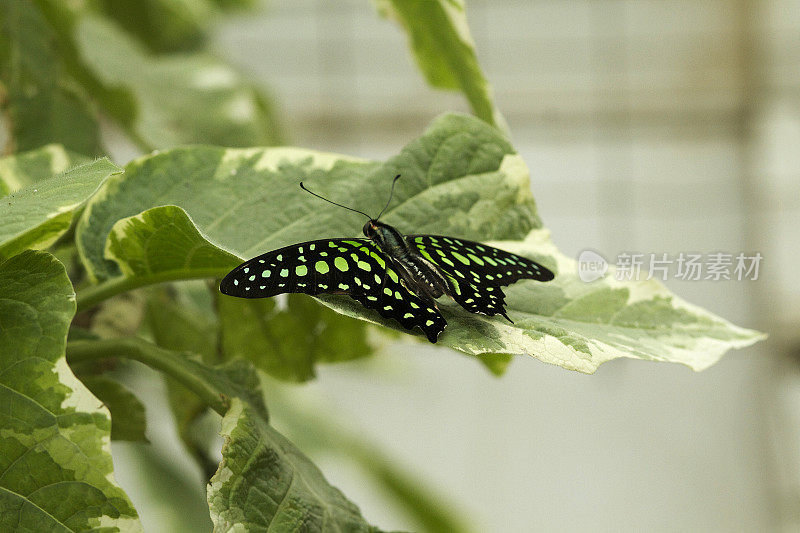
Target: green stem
x=95, y=294
x=175, y=365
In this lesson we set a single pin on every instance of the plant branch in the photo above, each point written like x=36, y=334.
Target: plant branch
x=95, y=294
x=175, y=365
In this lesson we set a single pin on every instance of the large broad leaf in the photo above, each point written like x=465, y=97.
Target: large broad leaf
x=26, y=168
x=460, y=178
x=443, y=47
x=55, y=463
x=42, y=103
x=180, y=98
x=265, y=483
x=35, y=216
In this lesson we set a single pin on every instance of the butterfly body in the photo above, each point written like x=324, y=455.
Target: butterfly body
x=416, y=272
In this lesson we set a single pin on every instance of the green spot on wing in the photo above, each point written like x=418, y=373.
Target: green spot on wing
x=475, y=258
x=427, y=256
x=378, y=259
x=460, y=257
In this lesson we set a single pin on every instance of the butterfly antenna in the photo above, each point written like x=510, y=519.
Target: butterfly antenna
x=391, y=193
x=331, y=202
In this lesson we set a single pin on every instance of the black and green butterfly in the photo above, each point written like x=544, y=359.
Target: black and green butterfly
x=400, y=276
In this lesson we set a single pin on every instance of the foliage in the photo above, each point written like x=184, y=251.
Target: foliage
x=55, y=461
x=171, y=222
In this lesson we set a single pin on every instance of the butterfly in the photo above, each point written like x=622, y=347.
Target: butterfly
x=399, y=276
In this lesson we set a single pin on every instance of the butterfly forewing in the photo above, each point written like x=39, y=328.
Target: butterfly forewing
x=356, y=267
x=476, y=272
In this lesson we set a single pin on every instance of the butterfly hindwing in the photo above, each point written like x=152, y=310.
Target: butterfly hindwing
x=476, y=272
x=356, y=267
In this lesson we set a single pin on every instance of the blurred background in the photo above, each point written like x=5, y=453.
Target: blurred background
x=648, y=125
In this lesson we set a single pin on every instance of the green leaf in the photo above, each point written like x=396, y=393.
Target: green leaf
x=54, y=444
x=169, y=25
x=163, y=25
x=248, y=200
x=180, y=98
x=34, y=217
x=287, y=343
x=579, y=326
x=265, y=483
x=445, y=52
x=176, y=325
x=26, y=168
x=127, y=412
x=461, y=178
x=43, y=104
x=163, y=244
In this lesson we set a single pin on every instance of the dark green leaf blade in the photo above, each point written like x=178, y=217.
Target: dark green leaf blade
x=43, y=104
x=127, y=412
x=288, y=342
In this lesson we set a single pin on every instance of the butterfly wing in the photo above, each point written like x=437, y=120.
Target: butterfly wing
x=476, y=272
x=356, y=267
